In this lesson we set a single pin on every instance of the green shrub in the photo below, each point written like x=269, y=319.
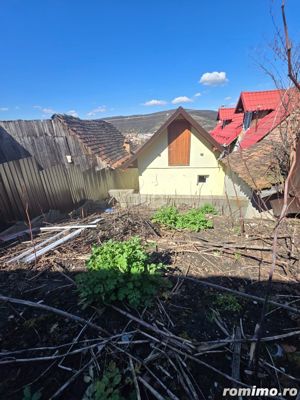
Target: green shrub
x=120, y=271
x=193, y=219
x=227, y=302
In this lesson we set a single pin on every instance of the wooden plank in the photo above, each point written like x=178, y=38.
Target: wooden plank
x=45, y=184
x=57, y=178
x=6, y=211
x=30, y=188
x=54, y=185
x=39, y=188
x=15, y=201
x=50, y=189
x=179, y=143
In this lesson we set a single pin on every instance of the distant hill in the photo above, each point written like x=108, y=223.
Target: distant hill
x=147, y=124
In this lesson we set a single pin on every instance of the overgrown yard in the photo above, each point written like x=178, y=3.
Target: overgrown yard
x=173, y=319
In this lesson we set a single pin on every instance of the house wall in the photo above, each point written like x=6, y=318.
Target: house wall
x=235, y=187
x=158, y=180
x=157, y=177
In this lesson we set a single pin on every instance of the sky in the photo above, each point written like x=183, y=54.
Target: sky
x=96, y=58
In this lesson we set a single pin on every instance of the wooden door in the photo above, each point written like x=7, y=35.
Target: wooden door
x=179, y=143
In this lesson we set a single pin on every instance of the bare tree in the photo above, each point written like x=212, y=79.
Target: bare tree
x=292, y=73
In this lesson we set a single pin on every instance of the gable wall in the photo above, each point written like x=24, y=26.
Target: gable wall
x=157, y=177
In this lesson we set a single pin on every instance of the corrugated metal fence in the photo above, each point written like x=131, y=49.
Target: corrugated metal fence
x=24, y=187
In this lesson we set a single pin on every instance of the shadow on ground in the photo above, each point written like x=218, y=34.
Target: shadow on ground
x=193, y=311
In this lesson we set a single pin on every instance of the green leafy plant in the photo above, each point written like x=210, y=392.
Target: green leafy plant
x=193, y=219
x=167, y=216
x=227, y=302
x=208, y=209
x=120, y=271
x=106, y=388
x=27, y=395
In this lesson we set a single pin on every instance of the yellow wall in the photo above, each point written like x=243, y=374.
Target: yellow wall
x=157, y=177
x=126, y=179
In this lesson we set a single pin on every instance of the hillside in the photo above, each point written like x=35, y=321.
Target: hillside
x=147, y=124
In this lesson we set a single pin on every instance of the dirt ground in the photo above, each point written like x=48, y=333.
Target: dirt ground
x=182, y=353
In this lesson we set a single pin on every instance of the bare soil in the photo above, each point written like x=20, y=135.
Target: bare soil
x=191, y=311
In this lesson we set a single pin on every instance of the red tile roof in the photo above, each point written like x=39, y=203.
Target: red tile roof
x=225, y=114
x=257, y=161
x=263, y=100
x=265, y=125
x=230, y=132
x=279, y=103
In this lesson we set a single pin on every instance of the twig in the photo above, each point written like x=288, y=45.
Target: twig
x=151, y=389
x=47, y=358
x=136, y=385
x=73, y=377
x=236, y=358
x=187, y=344
x=240, y=294
x=54, y=310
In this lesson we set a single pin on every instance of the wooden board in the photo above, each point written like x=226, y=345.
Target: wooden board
x=179, y=143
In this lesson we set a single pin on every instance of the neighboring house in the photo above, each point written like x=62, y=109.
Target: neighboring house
x=228, y=127
x=257, y=136
x=59, y=163
x=64, y=140
x=252, y=118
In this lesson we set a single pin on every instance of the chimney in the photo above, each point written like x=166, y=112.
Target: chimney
x=127, y=146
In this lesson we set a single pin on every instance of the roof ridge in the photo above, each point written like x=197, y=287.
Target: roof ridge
x=263, y=91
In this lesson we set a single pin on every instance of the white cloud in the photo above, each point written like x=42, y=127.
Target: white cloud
x=198, y=94
x=97, y=110
x=3, y=108
x=213, y=78
x=181, y=99
x=73, y=113
x=228, y=98
x=45, y=110
x=48, y=110
x=155, y=102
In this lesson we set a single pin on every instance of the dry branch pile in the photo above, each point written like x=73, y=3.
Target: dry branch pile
x=190, y=344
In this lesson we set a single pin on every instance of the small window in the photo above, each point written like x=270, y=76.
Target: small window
x=247, y=120
x=201, y=179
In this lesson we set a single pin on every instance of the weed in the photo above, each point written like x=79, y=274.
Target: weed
x=27, y=395
x=237, y=256
x=208, y=209
x=192, y=220
x=167, y=216
x=227, y=302
x=236, y=230
x=120, y=271
x=107, y=388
